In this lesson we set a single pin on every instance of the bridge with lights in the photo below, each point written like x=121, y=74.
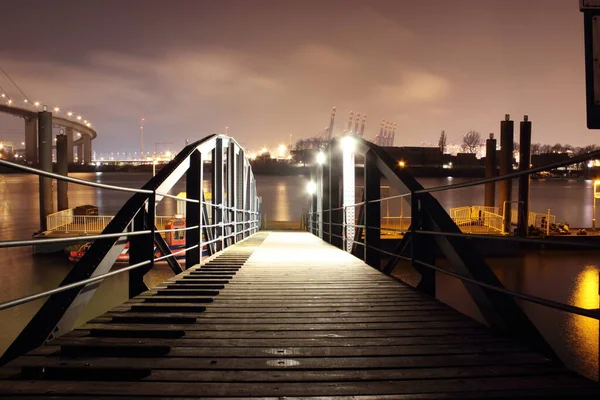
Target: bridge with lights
x=265, y=314
x=78, y=131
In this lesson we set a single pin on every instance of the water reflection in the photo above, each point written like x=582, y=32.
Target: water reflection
x=585, y=295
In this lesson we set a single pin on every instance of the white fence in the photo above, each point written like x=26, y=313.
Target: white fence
x=65, y=221
x=491, y=217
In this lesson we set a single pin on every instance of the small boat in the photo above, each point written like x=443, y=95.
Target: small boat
x=175, y=240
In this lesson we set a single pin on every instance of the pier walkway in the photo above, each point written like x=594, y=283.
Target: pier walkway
x=283, y=315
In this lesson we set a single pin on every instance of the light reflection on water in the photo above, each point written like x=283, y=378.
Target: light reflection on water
x=559, y=275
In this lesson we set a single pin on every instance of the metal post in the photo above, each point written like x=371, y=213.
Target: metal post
x=62, y=167
x=239, y=195
x=31, y=152
x=335, y=221
x=231, y=218
x=524, y=163
x=372, y=210
x=506, y=157
x=45, y=164
x=349, y=195
x=217, y=192
x=193, y=215
x=490, y=171
x=326, y=219
x=319, y=199
x=548, y=223
x=141, y=247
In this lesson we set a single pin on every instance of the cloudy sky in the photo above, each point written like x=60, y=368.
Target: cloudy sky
x=268, y=69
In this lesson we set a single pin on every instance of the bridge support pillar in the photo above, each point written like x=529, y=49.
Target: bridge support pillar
x=524, y=162
x=87, y=149
x=193, y=211
x=62, y=167
x=490, y=171
x=45, y=164
x=31, y=151
x=69, y=134
x=372, y=211
x=506, y=157
x=80, y=153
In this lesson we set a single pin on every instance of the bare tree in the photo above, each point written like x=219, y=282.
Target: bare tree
x=557, y=148
x=536, y=148
x=471, y=142
x=442, y=142
x=545, y=149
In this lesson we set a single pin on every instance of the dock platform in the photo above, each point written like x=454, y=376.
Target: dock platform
x=285, y=315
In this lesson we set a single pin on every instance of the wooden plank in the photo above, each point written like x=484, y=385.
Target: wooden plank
x=295, y=389
x=295, y=363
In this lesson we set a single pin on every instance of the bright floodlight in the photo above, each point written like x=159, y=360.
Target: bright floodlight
x=2, y=95
x=88, y=124
x=590, y=164
x=56, y=109
x=70, y=114
x=25, y=101
x=348, y=143
x=321, y=157
x=79, y=117
x=311, y=187
x=402, y=164
x=37, y=104
x=9, y=102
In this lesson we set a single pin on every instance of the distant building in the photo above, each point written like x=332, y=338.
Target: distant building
x=417, y=156
x=548, y=158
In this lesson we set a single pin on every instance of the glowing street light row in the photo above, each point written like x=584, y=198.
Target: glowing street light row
x=36, y=104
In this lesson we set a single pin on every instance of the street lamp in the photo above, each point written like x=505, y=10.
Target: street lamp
x=321, y=158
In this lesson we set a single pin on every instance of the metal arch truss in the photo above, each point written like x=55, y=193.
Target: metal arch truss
x=235, y=215
x=427, y=215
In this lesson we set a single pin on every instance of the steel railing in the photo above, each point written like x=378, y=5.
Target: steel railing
x=489, y=217
x=236, y=224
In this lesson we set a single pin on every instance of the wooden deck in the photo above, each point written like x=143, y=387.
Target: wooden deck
x=285, y=315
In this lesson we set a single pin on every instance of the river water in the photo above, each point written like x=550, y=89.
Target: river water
x=566, y=276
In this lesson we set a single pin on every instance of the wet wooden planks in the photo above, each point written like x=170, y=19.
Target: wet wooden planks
x=285, y=315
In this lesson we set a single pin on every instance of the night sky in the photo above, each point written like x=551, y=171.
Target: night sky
x=268, y=69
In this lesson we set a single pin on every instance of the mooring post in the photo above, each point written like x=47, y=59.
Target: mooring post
x=490, y=171
x=506, y=158
x=524, y=163
x=62, y=168
x=193, y=214
x=372, y=211
x=45, y=164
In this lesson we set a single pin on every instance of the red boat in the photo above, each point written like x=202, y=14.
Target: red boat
x=175, y=240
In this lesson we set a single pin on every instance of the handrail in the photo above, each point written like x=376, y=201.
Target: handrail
x=139, y=213
x=420, y=199
x=60, y=289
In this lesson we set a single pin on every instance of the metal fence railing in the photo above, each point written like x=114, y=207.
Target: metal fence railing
x=329, y=221
x=65, y=221
x=232, y=220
